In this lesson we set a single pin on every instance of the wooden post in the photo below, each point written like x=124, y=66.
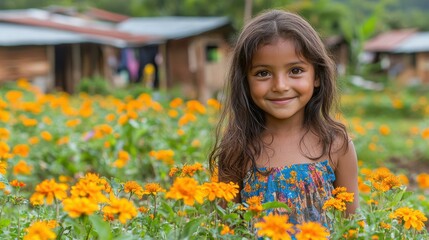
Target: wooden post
x=162, y=67
x=76, y=67
x=51, y=73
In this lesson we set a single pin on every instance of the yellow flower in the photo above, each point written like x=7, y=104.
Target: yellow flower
x=275, y=227
x=186, y=188
x=40, y=230
x=312, y=231
x=411, y=218
x=124, y=208
x=48, y=189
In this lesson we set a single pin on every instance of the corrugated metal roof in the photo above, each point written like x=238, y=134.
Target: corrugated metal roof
x=388, y=41
x=90, y=30
x=172, y=27
x=419, y=42
x=16, y=35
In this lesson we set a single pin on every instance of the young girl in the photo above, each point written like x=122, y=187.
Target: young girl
x=277, y=138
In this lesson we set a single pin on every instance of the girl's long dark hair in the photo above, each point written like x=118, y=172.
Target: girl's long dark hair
x=238, y=134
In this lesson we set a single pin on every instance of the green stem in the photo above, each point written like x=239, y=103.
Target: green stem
x=154, y=208
x=89, y=231
x=57, y=206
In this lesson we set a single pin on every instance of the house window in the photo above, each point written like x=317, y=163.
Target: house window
x=212, y=53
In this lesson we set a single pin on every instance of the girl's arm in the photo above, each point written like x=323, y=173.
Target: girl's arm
x=346, y=173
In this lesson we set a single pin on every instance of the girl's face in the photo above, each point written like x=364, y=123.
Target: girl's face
x=281, y=83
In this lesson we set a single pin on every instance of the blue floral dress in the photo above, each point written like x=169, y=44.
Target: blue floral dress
x=303, y=187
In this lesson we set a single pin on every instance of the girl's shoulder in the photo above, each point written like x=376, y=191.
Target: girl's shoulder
x=341, y=148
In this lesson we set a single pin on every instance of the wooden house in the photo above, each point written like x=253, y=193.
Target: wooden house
x=403, y=54
x=56, y=48
x=56, y=51
x=194, y=56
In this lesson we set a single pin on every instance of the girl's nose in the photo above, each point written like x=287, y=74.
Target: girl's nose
x=281, y=83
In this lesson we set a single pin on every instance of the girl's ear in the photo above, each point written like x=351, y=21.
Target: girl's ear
x=317, y=82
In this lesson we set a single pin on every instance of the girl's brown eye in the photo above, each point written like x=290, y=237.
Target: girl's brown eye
x=296, y=71
x=262, y=74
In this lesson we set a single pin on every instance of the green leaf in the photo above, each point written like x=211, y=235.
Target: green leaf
x=270, y=205
x=101, y=227
x=191, y=227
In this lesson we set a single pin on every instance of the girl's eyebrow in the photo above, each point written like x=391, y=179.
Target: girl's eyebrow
x=288, y=64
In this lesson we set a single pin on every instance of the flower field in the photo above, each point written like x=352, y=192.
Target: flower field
x=135, y=167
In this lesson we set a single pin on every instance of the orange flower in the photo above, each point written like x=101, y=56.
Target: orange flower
x=226, y=230
x=77, y=206
x=194, y=106
x=46, y=136
x=425, y=133
x=177, y=102
x=275, y=227
x=384, y=130
x=40, y=230
x=16, y=183
x=122, y=207
x=187, y=118
x=411, y=218
x=186, y=188
x=122, y=160
x=50, y=190
x=153, y=188
x=423, y=180
x=190, y=170
x=255, y=204
x=5, y=151
x=335, y=203
x=214, y=103
x=312, y=231
x=4, y=134
x=133, y=187
x=3, y=167
x=21, y=150
x=221, y=190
